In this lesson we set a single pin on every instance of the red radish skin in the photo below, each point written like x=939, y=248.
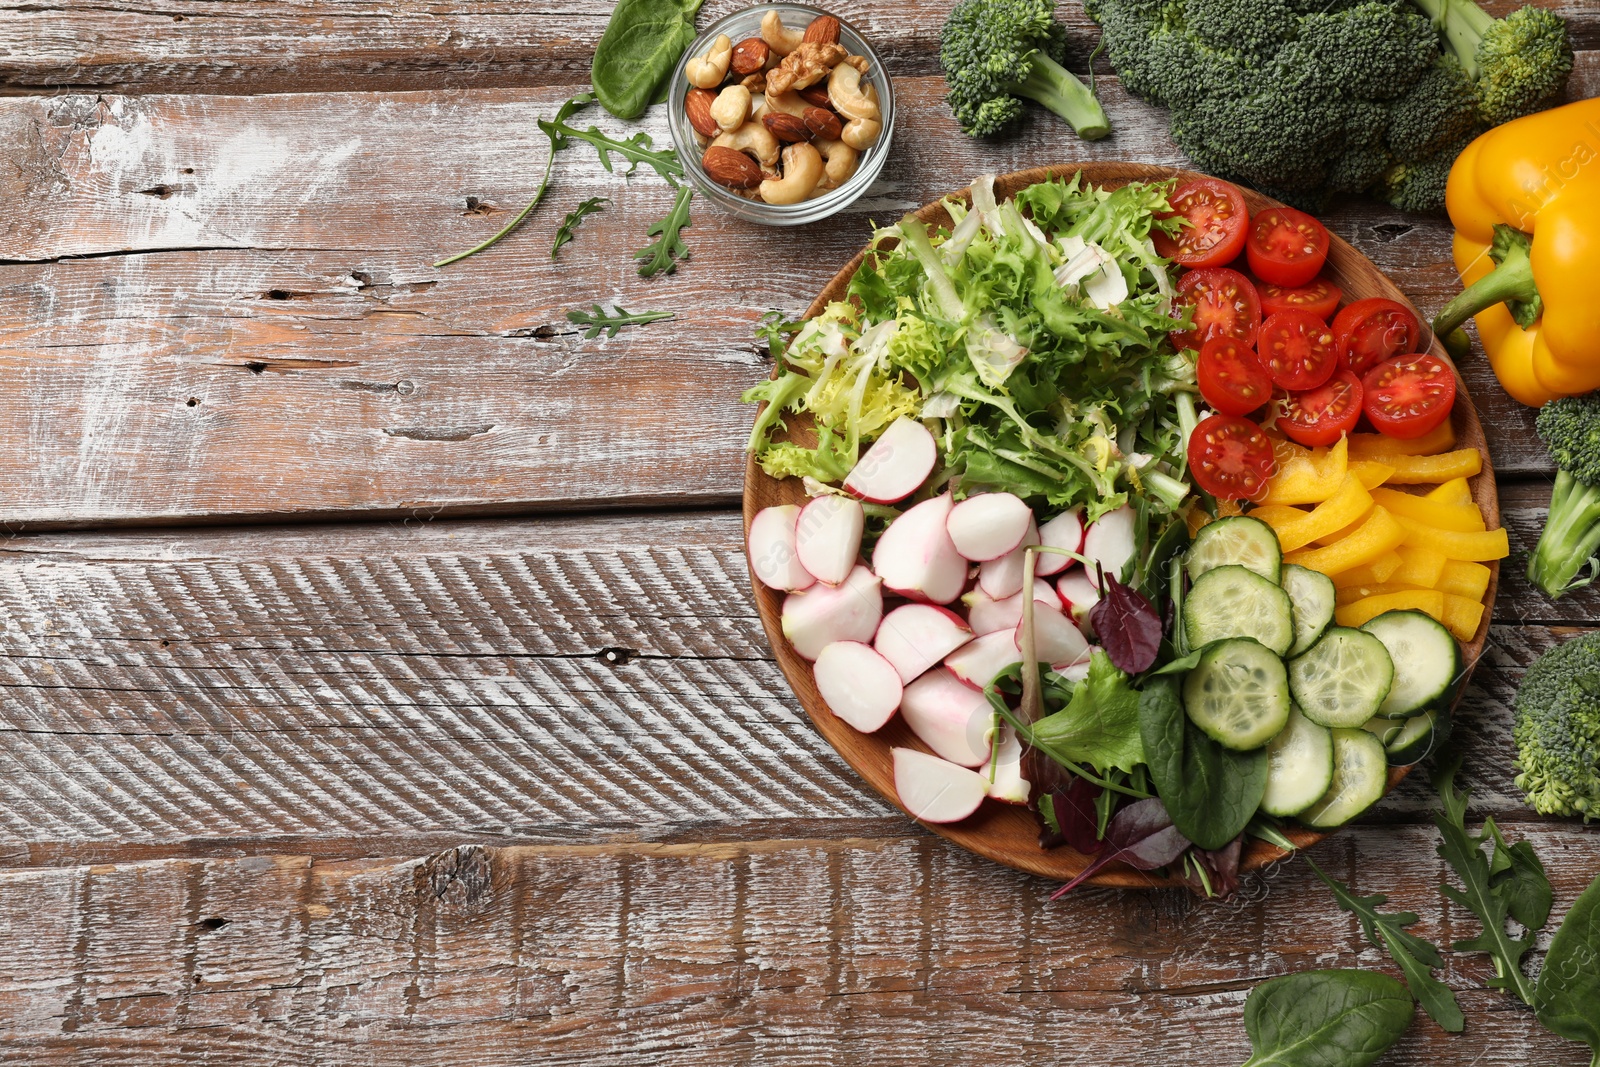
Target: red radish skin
x=915, y=637
x=774, y=560
x=1055, y=638
x=1063, y=531
x=988, y=526
x=1002, y=577
x=1079, y=595
x=978, y=661
x=828, y=537
x=951, y=718
x=1109, y=542
x=986, y=615
x=915, y=557
x=936, y=790
x=896, y=465
x=859, y=685
x=817, y=617
x=1007, y=783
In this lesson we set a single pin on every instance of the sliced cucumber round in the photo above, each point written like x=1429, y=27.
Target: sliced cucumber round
x=1409, y=741
x=1299, y=766
x=1313, y=596
x=1342, y=679
x=1234, y=601
x=1239, y=541
x=1427, y=662
x=1238, y=694
x=1360, y=775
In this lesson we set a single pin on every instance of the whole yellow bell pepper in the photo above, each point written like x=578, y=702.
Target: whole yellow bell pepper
x=1525, y=201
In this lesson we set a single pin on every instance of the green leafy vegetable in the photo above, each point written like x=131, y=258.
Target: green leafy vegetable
x=1567, y=1000
x=1339, y=1018
x=1517, y=875
x=1210, y=791
x=574, y=219
x=663, y=253
x=599, y=320
x=638, y=51
x=1100, y=724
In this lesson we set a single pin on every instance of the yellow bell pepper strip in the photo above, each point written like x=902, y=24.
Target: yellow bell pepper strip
x=1350, y=594
x=1370, y=473
x=1278, y=516
x=1473, y=547
x=1525, y=202
x=1378, y=572
x=1429, y=601
x=1380, y=533
x=1441, y=438
x=1306, y=475
x=1465, y=518
x=1426, y=470
x=1463, y=579
x=1350, y=504
x=1420, y=568
x=1455, y=491
x=1461, y=616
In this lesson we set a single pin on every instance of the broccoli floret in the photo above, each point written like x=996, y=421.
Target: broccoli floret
x=1520, y=62
x=1366, y=157
x=1570, y=429
x=997, y=51
x=1439, y=109
x=1253, y=29
x=1372, y=51
x=1556, y=724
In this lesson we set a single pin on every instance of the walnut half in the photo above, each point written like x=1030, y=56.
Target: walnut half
x=805, y=66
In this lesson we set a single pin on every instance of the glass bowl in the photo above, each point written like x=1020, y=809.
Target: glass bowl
x=745, y=24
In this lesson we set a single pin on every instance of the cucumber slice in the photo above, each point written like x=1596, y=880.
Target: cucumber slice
x=1343, y=678
x=1299, y=766
x=1233, y=601
x=1238, y=694
x=1383, y=729
x=1313, y=596
x=1360, y=775
x=1239, y=541
x=1409, y=741
x=1427, y=662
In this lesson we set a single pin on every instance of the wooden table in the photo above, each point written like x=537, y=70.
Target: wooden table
x=381, y=679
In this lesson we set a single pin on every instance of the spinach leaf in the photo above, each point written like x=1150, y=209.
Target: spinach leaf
x=1516, y=874
x=1567, y=999
x=637, y=53
x=1100, y=725
x=1210, y=791
x=1325, y=1019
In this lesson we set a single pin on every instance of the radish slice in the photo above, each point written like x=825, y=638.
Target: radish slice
x=978, y=661
x=1055, y=639
x=1002, y=577
x=1073, y=672
x=819, y=616
x=1109, y=542
x=828, y=537
x=1080, y=594
x=986, y=615
x=917, y=636
x=915, y=557
x=950, y=718
x=896, y=465
x=988, y=526
x=860, y=686
x=1063, y=531
x=936, y=790
x=1007, y=782
x=773, y=557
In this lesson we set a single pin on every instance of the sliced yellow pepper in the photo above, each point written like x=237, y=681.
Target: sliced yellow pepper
x=1278, y=516
x=1455, y=491
x=1371, y=473
x=1463, y=579
x=1481, y=545
x=1465, y=518
x=1361, y=612
x=1380, y=533
x=1349, y=594
x=1462, y=616
x=1420, y=568
x=1378, y=445
x=1427, y=470
x=1377, y=572
x=1348, y=505
x=1306, y=475
x=1343, y=532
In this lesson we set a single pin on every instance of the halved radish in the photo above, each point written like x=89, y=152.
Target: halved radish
x=979, y=660
x=1007, y=782
x=1063, y=531
x=896, y=465
x=1055, y=639
x=1002, y=577
x=1109, y=542
x=828, y=536
x=936, y=790
x=1079, y=594
x=986, y=615
x=774, y=559
x=859, y=686
x=819, y=616
x=915, y=557
x=988, y=526
x=950, y=718
x=914, y=637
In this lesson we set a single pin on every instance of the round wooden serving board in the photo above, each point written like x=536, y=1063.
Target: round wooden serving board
x=1008, y=833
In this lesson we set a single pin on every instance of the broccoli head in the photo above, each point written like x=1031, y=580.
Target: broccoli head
x=1523, y=60
x=1371, y=51
x=1556, y=724
x=1437, y=110
x=1570, y=429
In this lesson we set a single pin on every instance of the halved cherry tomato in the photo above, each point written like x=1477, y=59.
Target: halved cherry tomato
x=1320, y=297
x=1218, y=219
x=1231, y=379
x=1231, y=458
x=1298, y=349
x=1224, y=303
x=1372, y=330
x=1285, y=246
x=1409, y=396
x=1320, y=416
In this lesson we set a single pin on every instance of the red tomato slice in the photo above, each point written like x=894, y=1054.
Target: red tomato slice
x=1231, y=379
x=1298, y=349
x=1231, y=458
x=1409, y=396
x=1372, y=330
x=1286, y=247
x=1321, y=298
x=1320, y=416
x=1218, y=219
x=1224, y=303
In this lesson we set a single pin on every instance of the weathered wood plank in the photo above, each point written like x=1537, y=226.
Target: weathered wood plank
x=901, y=951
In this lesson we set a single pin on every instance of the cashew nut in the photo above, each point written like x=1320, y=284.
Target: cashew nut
x=755, y=139
x=849, y=97
x=842, y=160
x=731, y=107
x=861, y=133
x=802, y=170
x=782, y=39
x=790, y=103
x=707, y=71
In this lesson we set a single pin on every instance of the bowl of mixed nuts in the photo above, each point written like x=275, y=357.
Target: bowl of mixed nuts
x=781, y=113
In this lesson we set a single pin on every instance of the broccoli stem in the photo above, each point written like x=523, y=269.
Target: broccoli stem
x=1570, y=539
x=1058, y=89
x=1511, y=281
x=1463, y=24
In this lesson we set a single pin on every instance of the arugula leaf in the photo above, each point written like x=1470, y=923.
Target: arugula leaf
x=575, y=218
x=1567, y=1000
x=599, y=320
x=1415, y=956
x=663, y=253
x=1212, y=792
x=1341, y=1018
x=1100, y=725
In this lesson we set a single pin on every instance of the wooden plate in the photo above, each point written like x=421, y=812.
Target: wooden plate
x=1003, y=832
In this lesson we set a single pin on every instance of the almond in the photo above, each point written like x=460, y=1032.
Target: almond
x=749, y=56
x=697, y=105
x=822, y=123
x=786, y=127
x=824, y=29
x=730, y=167
x=816, y=95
